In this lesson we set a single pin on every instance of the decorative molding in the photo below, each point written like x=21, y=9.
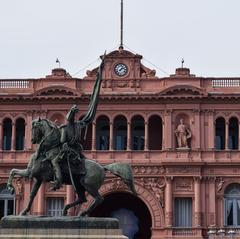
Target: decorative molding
x=183, y=170
x=18, y=185
x=156, y=186
x=219, y=184
x=139, y=170
x=197, y=218
x=183, y=185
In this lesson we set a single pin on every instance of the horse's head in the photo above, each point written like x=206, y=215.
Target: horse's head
x=37, y=131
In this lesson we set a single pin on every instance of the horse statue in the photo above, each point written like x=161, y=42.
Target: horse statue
x=44, y=131
x=59, y=160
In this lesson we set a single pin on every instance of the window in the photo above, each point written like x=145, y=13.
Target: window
x=120, y=133
x=102, y=130
x=7, y=202
x=155, y=132
x=7, y=134
x=138, y=132
x=20, y=134
x=183, y=212
x=233, y=133
x=55, y=207
x=232, y=205
x=220, y=134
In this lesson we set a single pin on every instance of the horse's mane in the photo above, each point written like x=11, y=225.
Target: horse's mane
x=50, y=123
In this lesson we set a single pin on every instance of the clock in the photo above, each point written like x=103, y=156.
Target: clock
x=121, y=69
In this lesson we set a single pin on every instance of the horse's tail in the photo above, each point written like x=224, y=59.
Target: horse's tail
x=124, y=171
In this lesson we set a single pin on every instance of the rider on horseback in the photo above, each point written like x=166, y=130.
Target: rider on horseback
x=71, y=146
x=71, y=133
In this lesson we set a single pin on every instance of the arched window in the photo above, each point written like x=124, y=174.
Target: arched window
x=7, y=134
x=102, y=133
x=232, y=205
x=7, y=206
x=20, y=134
x=137, y=133
x=120, y=133
x=220, y=133
x=233, y=133
x=155, y=132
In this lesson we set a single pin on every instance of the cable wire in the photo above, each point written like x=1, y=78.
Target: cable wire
x=144, y=58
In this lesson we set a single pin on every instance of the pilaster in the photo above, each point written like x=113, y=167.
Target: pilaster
x=197, y=201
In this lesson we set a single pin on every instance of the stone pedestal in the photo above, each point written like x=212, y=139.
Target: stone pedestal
x=35, y=227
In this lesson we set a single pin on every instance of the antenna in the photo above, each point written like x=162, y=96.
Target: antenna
x=121, y=33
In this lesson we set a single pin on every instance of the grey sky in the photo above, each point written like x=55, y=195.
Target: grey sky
x=33, y=33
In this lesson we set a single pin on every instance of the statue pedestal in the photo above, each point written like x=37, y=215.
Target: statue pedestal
x=40, y=227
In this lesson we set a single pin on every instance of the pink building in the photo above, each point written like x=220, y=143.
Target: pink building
x=184, y=190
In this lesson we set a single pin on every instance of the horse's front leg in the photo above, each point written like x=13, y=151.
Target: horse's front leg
x=19, y=172
x=33, y=193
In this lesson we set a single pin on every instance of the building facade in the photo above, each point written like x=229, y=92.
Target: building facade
x=180, y=134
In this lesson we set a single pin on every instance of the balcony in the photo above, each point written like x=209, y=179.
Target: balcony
x=140, y=157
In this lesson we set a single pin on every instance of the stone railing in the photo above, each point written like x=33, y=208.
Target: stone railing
x=14, y=84
x=225, y=83
x=184, y=231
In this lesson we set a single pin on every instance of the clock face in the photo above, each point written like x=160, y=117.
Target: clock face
x=121, y=69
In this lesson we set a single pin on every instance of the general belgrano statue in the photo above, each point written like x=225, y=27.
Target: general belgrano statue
x=59, y=158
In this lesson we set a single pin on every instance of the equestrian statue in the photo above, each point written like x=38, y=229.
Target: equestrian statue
x=59, y=158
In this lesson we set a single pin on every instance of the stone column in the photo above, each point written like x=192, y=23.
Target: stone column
x=111, y=135
x=168, y=203
x=40, y=205
x=13, y=143
x=1, y=135
x=197, y=131
x=211, y=135
x=129, y=125
x=94, y=135
x=28, y=131
x=146, y=140
x=70, y=198
x=168, y=134
x=197, y=201
x=226, y=135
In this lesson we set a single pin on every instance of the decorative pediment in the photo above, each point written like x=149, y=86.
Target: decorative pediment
x=56, y=91
x=183, y=90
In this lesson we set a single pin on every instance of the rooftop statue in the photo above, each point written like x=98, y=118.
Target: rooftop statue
x=59, y=158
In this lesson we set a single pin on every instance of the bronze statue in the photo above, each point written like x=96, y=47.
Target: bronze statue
x=183, y=133
x=59, y=159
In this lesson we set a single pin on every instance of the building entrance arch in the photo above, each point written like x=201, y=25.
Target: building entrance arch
x=132, y=213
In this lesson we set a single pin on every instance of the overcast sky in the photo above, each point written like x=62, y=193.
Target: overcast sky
x=33, y=33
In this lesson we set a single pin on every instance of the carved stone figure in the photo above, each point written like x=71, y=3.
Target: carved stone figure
x=59, y=159
x=183, y=133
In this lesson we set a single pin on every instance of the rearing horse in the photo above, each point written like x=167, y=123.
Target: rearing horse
x=47, y=136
